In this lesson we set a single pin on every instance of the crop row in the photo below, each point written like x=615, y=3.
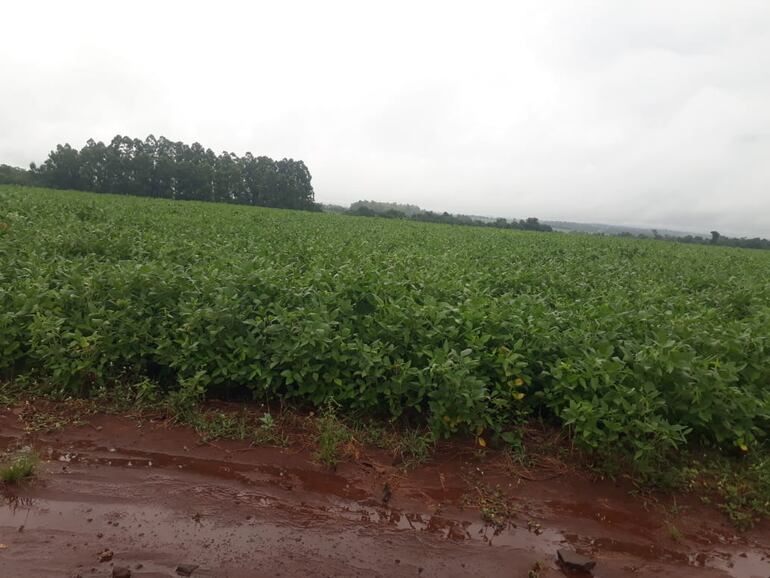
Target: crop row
x=635, y=346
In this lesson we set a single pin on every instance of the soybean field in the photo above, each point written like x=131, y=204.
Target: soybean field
x=637, y=347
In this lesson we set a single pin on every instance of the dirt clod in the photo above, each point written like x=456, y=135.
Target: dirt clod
x=574, y=561
x=121, y=572
x=105, y=555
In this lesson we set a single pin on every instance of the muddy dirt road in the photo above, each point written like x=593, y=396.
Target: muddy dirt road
x=157, y=498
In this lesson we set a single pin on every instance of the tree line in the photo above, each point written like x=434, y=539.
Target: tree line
x=14, y=176
x=723, y=241
x=159, y=167
x=716, y=239
x=174, y=170
x=414, y=213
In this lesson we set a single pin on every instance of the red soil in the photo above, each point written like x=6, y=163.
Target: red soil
x=156, y=497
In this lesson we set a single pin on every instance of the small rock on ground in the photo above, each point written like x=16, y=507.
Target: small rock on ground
x=575, y=561
x=186, y=569
x=121, y=572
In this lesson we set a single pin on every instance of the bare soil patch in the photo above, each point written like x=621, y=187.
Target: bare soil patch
x=158, y=498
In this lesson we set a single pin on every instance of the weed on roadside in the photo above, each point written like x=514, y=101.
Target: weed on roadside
x=739, y=486
x=675, y=534
x=268, y=432
x=373, y=434
x=213, y=425
x=40, y=416
x=133, y=397
x=332, y=434
x=19, y=467
x=536, y=569
x=413, y=447
x=494, y=506
x=744, y=492
x=9, y=393
x=183, y=404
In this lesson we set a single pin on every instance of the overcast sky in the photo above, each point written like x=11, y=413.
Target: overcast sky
x=650, y=113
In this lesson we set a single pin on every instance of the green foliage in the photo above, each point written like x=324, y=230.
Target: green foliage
x=494, y=505
x=139, y=396
x=19, y=467
x=717, y=239
x=9, y=393
x=413, y=447
x=639, y=348
x=15, y=176
x=742, y=491
x=171, y=170
x=332, y=434
x=268, y=432
x=215, y=425
x=184, y=401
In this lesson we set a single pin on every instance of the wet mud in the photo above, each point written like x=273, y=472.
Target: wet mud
x=156, y=497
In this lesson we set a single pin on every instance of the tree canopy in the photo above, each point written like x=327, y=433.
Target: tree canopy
x=174, y=170
x=15, y=176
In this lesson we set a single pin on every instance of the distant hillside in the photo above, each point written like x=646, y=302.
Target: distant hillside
x=564, y=226
x=415, y=213
x=380, y=207
x=600, y=228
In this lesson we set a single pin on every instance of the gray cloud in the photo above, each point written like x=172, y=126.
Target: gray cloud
x=645, y=113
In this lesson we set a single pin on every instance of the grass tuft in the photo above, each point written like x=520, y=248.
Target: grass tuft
x=413, y=448
x=19, y=467
x=332, y=434
x=269, y=432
